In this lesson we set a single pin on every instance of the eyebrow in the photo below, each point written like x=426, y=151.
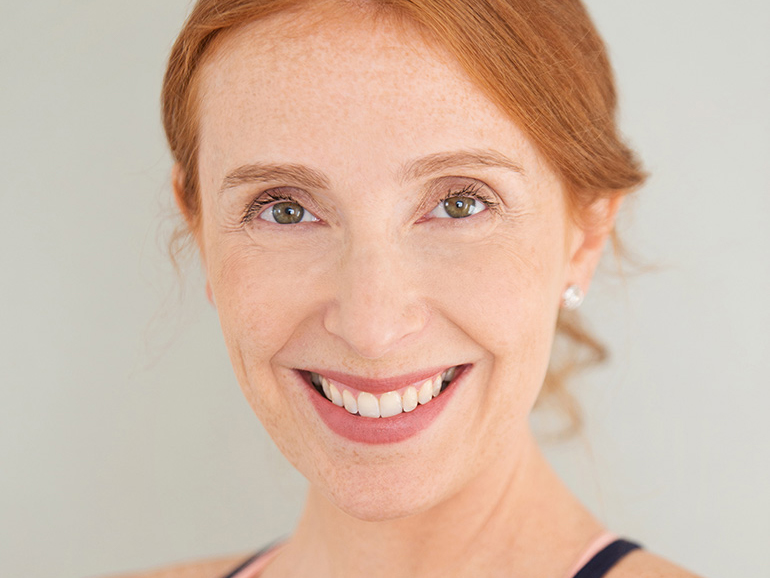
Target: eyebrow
x=307, y=177
x=440, y=162
x=265, y=172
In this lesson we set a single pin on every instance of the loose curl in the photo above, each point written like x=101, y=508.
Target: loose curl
x=541, y=61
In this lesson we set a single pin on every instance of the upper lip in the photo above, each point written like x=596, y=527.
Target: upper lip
x=384, y=384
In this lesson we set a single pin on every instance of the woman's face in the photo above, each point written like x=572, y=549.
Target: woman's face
x=369, y=216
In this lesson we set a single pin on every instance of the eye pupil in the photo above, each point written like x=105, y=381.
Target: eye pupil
x=459, y=207
x=288, y=213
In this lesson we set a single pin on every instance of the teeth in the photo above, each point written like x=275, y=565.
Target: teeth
x=426, y=392
x=437, y=385
x=410, y=399
x=368, y=406
x=350, y=402
x=390, y=404
x=326, y=388
x=335, y=395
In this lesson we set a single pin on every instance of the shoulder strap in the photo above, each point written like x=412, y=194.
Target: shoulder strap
x=600, y=564
x=245, y=564
x=266, y=550
x=596, y=567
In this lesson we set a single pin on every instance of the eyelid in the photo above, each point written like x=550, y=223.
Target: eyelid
x=264, y=200
x=464, y=187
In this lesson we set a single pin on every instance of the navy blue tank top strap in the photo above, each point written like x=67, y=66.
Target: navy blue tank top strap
x=600, y=564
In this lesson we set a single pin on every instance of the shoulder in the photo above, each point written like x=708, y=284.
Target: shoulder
x=214, y=568
x=643, y=564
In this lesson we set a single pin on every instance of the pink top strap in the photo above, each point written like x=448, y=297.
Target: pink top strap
x=597, y=545
x=254, y=569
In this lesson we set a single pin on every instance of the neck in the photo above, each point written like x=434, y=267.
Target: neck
x=518, y=518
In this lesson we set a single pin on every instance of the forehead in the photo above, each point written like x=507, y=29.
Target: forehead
x=314, y=88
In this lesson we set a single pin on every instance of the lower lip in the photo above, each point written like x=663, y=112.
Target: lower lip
x=387, y=430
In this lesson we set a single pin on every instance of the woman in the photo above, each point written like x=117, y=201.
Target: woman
x=394, y=201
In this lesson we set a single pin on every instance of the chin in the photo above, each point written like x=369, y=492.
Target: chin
x=377, y=484
x=379, y=503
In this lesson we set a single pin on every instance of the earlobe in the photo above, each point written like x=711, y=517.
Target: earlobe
x=595, y=229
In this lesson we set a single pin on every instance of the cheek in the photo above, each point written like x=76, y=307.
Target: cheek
x=263, y=295
x=262, y=299
x=501, y=288
x=503, y=295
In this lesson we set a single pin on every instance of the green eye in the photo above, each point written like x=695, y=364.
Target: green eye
x=286, y=213
x=458, y=208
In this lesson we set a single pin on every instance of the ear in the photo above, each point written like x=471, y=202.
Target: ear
x=178, y=180
x=178, y=184
x=592, y=232
x=210, y=294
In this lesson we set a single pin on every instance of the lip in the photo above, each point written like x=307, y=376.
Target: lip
x=384, y=385
x=382, y=430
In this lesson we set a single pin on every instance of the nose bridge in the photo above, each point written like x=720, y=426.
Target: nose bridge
x=376, y=301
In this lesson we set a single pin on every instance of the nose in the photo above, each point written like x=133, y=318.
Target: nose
x=377, y=305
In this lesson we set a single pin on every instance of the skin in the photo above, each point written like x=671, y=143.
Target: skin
x=383, y=284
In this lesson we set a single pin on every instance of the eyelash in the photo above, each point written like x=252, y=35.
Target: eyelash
x=472, y=191
x=258, y=204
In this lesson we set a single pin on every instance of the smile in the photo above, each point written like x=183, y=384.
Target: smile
x=385, y=410
x=386, y=405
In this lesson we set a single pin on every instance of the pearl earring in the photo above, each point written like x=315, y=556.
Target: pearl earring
x=572, y=297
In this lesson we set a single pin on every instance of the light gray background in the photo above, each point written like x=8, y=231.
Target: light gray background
x=124, y=440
